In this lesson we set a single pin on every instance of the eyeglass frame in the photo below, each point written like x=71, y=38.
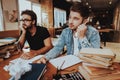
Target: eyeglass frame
x=25, y=20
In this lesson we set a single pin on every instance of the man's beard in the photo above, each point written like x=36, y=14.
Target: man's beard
x=28, y=27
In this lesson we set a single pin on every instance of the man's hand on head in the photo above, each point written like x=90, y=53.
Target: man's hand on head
x=23, y=28
x=81, y=31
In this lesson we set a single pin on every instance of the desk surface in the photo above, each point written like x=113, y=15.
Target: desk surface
x=51, y=70
x=105, y=30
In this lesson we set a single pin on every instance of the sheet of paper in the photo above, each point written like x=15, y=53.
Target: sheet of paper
x=27, y=61
x=19, y=66
x=65, y=61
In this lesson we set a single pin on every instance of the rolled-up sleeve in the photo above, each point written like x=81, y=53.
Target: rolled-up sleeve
x=93, y=41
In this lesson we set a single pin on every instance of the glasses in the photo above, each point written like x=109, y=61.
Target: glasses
x=25, y=20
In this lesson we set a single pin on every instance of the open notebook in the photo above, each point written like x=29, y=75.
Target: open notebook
x=65, y=61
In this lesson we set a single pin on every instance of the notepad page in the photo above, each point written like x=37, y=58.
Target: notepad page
x=69, y=60
x=27, y=61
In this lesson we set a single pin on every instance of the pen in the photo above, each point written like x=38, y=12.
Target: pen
x=59, y=68
x=62, y=65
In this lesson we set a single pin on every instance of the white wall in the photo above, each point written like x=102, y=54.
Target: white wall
x=1, y=18
x=8, y=7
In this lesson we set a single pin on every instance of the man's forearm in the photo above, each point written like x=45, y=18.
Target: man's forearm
x=22, y=40
x=43, y=50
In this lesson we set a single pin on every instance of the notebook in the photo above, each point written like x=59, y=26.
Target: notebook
x=65, y=61
x=35, y=73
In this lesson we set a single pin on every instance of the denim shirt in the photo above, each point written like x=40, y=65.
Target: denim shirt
x=92, y=40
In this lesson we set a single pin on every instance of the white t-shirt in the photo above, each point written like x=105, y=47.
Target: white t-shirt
x=76, y=50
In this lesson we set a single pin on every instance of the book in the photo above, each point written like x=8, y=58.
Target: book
x=107, y=53
x=97, y=65
x=90, y=60
x=103, y=59
x=2, y=44
x=6, y=41
x=35, y=73
x=95, y=70
x=113, y=75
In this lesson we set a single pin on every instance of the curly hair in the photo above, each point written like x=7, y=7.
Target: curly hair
x=82, y=9
x=30, y=13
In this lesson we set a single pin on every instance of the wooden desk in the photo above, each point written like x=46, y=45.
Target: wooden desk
x=12, y=33
x=3, y=74
x=105, y=30
x=51, y=70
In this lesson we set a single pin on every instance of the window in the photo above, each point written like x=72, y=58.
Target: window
x=1, y=18
x=25, y=4
x=37, y=9
x=59, y=17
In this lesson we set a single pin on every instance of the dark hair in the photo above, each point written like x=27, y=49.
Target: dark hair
x=82, y=9
x=30, y=13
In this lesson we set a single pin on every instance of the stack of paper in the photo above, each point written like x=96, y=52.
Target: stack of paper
x=98, y=64
x=99, y=57
x=94, y=73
